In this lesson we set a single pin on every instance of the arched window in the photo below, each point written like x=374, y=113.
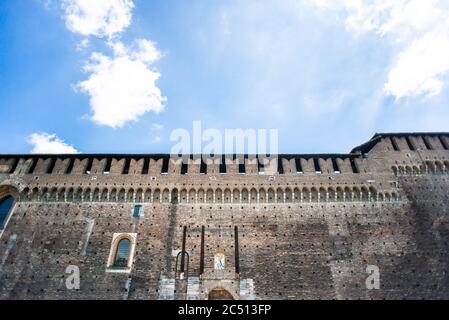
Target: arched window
x=6, y=205
x=245, y=196
x=166, y=196
x=218, y=196
x=122, y=253
x=157, y=195
x=139, y=195
x=130, y=195
x=210, y=196
x=174, y=196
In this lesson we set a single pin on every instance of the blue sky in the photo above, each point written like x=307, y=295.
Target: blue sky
x=327, y=74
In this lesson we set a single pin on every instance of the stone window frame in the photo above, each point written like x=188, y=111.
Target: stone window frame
x=116, y=238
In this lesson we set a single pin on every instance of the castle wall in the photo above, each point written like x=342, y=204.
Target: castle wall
x=301, y=235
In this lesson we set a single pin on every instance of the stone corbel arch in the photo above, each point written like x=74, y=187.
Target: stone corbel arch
x=15, y=186
x=7, y=190
x=10, y=189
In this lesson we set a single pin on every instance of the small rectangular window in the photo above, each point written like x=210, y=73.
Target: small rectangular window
x=138, y=211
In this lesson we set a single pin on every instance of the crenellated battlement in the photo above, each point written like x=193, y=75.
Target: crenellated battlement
x=417, y=146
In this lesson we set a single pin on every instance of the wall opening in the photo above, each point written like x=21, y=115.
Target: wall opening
x=354, y=167
x=298, y=165
x=427, y=143
x=394, y=144
x=126, y=166
x=219, y=294
x=51, y=166
x=33, y=166
x=335, y=166
x=146, y=166
x=443, y=143
x=14, y=166
x=223, y=164
x=107, y=166
x=203, y=167
x=410, y=144
x=242, y=169
x=316, y=165
x=70, y=166
x=184, y=168
x=88, y=168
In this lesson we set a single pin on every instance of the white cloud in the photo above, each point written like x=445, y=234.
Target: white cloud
x=418, y=29
x=44, y=143
x=123, y=87
x=82, y=45
x=419, y=68
x=157, y=127
x=155, y=131
x=155, y=140
x=101, y=18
